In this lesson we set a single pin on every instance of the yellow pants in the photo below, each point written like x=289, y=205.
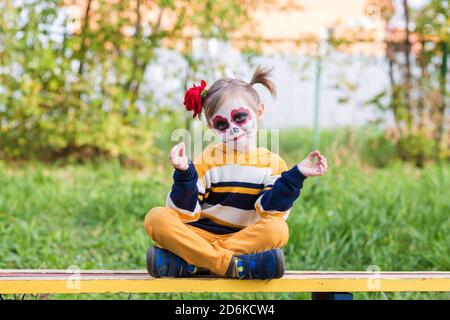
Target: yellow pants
x=208, y=250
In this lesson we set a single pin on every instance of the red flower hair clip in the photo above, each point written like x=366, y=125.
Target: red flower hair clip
x=193, y=98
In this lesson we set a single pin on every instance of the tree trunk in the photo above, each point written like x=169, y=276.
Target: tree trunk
x=393, y=86
x=83, y=37
x=421, y=110
x=440, y=130
x=407, y=76
x=133, y=80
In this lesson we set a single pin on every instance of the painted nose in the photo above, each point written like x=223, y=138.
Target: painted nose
x=235, y=129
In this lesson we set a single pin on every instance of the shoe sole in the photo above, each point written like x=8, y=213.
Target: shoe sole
x=150, y=262
x=281, y=263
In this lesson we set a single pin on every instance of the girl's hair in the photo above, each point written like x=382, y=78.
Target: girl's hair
x=240, y=91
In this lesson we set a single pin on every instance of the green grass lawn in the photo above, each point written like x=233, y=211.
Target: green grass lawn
x=396, y=218
x=91, y=216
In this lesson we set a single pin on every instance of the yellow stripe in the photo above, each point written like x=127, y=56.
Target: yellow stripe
x=263, y=213
x=243, y=190
x=187, y=217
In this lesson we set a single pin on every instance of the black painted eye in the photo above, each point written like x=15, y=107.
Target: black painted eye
x=221, y=125
x=240, y=117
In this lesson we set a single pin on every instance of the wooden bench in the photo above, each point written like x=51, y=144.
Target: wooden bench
x=326, y=284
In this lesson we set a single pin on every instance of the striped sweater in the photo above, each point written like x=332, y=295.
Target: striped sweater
x=223, y=192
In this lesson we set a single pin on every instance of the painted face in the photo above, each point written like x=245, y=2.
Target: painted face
x=235, y=124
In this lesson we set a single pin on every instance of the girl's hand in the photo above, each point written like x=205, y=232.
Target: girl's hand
x=310, y=169
x=178, y=157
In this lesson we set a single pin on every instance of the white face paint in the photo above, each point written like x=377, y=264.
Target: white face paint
x=237, y=125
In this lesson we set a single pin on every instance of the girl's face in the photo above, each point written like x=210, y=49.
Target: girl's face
x=236, y=124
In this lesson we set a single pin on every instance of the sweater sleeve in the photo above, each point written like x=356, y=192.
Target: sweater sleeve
x=184, y=196
x=281, y=189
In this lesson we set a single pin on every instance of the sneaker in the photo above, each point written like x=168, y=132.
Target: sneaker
x=262, y=265
x=163, y=263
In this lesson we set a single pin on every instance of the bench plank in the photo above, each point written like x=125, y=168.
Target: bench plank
x=138, y=281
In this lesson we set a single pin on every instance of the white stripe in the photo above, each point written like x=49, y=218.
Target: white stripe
x=232, y=215
x=271, y=180
x=236, y=173
x=170, y=204
x=201, y=188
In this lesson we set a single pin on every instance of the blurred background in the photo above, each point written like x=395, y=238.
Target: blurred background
x=91, y=90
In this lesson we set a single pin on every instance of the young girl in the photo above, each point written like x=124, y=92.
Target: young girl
x=226, y=211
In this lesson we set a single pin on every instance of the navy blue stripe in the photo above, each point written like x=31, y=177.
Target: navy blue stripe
x=231, y=199
x=184, y=192
x=211, y=226
x=238, y=184
x=284, y=192
x=184, y=195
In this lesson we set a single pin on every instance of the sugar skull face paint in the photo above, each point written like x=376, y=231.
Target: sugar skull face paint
x=220, y=123
x=236, y=125
x=241, y=116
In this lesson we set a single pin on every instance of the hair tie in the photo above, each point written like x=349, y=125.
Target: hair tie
x=193, y=98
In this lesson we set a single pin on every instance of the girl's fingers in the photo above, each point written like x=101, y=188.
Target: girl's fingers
x=317, y=169
x=320, y=169
x=323, y=161
x=181, y=150
x=174, y=153
x=311, y=155
x=320, y=164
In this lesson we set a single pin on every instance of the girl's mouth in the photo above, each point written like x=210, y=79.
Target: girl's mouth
x=239, y=137
x=234, y=139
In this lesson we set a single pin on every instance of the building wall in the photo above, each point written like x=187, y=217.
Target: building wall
x=294, y=76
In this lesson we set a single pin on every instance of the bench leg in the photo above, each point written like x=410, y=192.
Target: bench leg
x=331, y=296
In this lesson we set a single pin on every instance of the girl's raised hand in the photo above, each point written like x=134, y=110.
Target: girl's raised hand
x=178, y=157
x=311, y=169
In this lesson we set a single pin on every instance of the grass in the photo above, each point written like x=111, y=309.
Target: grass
x=396, y=218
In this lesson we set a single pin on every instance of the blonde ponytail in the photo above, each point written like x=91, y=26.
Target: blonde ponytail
x=261, y=76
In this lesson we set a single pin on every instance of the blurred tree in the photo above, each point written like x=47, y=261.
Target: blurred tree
x=72, y=73
x=418, y=100
x=433, y=28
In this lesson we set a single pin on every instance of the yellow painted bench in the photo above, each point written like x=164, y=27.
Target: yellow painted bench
x=138, y=281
